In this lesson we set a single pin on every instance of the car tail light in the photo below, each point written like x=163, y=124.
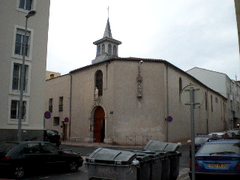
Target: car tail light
x=238, y=165
x=6, y=158
x=196, y=164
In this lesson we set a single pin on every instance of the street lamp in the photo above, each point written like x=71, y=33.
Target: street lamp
x=30, y=13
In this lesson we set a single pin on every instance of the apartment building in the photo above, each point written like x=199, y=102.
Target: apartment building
x=12, y=36
x=229, y=88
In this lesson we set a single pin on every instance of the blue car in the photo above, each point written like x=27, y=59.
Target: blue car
x=200, y=140
x=218, y=160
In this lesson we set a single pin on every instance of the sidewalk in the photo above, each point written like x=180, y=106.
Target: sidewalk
x=94, y=144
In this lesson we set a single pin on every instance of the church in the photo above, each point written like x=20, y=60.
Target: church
x=128, y=101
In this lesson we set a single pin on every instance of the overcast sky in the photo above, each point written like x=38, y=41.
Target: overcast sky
x=186, y=33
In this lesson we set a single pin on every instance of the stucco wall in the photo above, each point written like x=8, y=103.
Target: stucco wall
x=38, y=25
x=135, y=120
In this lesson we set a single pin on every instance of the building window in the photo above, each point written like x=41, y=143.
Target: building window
x=50, y=107
x=180, y=86
x=115, y=50
x=56, y=121
x=99, y=82
x=103, y=49
x=19, y=42
x=98, y=50
x=60, y=108
x=16, y=77
x=211, y=103
x=109, y=49
x=206, y=101
x=15, y=110
x=25, y=4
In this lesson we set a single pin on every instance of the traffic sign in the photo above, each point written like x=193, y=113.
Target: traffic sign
x=169, y=118
x=66, y=119
x=197, y=93
x=47, y=115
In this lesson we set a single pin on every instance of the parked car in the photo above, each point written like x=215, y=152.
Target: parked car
x=235, y=133
x=223, y=135
x=218, y=158
x=19, y=158
x=52, y=136
x=200, y=140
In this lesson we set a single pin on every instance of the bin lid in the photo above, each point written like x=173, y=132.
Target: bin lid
x=105, y=155
x=161, y=146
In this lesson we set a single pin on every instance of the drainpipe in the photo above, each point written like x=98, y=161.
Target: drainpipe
x=70, y=107
x=167, y=103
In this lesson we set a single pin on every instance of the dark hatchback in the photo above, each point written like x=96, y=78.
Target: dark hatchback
x=52, y=136
x=21, y=158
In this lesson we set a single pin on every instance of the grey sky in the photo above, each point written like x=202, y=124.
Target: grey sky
x=187, y=33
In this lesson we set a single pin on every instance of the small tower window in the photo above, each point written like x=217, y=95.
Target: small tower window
x=115, y=50
x=103, y=49
x=98, y=50
x=109, y=49
x=99, y=82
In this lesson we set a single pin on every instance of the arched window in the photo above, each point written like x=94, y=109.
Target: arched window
x=109, y=49
x=103, y=49
x=206, y=101
x=115, y=50
x=99, y=82
x=98, y=50
x=180, y=85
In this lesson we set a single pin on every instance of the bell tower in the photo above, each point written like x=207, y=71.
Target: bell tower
x=107, y=47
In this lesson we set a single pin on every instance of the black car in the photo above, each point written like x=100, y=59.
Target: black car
x=19, y=158
x=52, y=136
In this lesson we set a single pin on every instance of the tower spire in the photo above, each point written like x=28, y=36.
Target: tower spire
x=107, y=32
x=107, y=47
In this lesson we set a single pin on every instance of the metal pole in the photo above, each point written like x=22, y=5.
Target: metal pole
x=22, y=75
x=21, y=85
x=193, y=131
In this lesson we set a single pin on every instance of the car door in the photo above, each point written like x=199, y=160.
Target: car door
x=32, y=157
x=52, y=155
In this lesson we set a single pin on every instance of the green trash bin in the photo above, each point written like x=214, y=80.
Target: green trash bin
x=110, y=164
x=157, y=160
x=150, y=165
x=144, y=167
x=170, y=160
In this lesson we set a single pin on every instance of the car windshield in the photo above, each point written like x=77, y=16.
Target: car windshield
x=220, y=148
x=201, y=140
x=7, y=147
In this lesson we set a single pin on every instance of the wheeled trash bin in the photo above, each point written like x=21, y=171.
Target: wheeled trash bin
x=110, y=164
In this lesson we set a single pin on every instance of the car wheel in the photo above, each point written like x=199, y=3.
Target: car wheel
x=73, y=166
x=18, y=172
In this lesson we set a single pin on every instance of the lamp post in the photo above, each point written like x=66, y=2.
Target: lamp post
x=22, y=75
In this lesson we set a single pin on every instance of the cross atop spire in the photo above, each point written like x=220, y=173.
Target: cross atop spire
x=108, y=12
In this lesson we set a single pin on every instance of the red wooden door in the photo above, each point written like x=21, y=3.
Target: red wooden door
x=99, y=124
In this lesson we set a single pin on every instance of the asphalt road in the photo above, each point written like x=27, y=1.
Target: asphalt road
x=82, y=172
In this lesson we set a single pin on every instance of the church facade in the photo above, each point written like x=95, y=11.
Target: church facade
x=128, y=100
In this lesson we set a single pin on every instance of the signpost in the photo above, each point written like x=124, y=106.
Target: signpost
x=169, y=119
x=192, y=97
x=66, y=120
x=47, y=115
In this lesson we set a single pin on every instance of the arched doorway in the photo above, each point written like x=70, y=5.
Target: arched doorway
x=99, y=125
